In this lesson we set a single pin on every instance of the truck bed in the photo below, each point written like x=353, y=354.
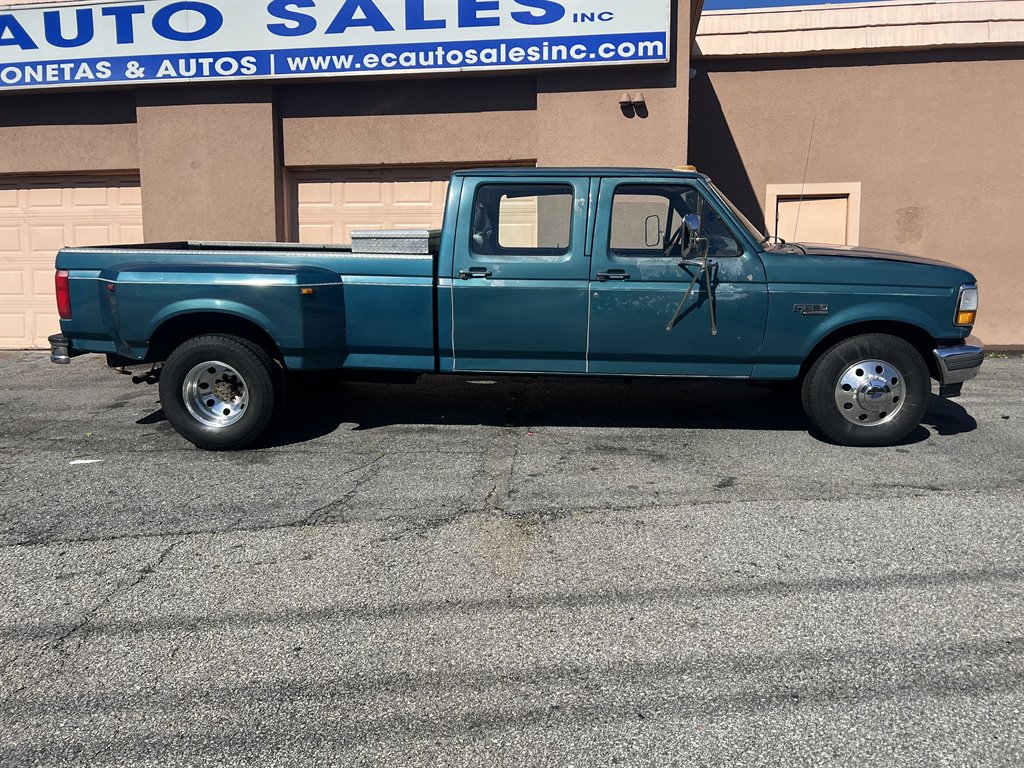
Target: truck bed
x=365, y=305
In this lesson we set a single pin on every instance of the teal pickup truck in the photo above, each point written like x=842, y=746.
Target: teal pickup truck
x=549, y=271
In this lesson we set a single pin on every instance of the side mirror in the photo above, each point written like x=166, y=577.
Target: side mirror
x=652, y=231
x=692, y=223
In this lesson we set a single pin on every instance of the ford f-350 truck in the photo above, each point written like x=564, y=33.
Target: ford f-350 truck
x=546, y=271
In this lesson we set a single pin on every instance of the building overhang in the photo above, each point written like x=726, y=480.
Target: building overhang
x=859, y=27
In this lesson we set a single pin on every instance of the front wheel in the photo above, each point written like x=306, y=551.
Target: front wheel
x=868, y=390
x=219, y=392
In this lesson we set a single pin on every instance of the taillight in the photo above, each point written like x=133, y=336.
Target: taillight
x=63, y=294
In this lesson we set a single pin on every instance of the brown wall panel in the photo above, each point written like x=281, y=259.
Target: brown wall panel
x=434, y=122
x=209, y=164
x=936, y=139
x=588, y=128
x=409, y=139
x=68, y=149
x=580, y=121
x=68, y=133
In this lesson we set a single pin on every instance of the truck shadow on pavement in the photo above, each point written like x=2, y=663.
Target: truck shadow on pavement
x=526, y=402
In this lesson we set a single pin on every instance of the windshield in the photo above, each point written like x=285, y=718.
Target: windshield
x=759, y=236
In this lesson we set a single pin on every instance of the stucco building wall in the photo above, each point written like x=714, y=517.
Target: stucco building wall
x=68, y=133
x=214, y=161
x=936, y=139
x=209, y=164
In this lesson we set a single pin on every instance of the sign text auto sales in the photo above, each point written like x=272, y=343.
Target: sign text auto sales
x=119, y=41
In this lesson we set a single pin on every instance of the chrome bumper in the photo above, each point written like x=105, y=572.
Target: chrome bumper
x=60, y=349
x=960, y=363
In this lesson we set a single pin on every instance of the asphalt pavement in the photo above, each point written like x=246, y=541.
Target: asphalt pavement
x=507, y=572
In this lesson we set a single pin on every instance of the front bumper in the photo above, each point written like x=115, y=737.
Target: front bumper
x=959, y=363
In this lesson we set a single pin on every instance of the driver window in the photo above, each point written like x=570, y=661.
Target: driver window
x=647, y=220
x=641, y=218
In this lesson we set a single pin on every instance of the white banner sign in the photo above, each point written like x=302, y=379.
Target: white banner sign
x=155, y=41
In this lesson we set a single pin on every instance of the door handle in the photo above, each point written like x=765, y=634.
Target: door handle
x=613, y=274
x=466, y=274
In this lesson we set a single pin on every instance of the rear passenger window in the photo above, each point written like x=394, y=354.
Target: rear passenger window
x=522, y=219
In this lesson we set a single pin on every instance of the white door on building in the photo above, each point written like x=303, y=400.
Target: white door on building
x=814, y=220
x=815, y=213
x=37, y=218
x=331, y=205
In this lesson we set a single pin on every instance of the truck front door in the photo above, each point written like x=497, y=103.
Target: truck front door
x=520, y=275
x=641, y=269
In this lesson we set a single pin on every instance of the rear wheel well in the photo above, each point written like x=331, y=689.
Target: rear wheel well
x=177, y=330
x=917, y=337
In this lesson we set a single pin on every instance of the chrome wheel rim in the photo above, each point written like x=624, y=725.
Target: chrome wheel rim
x=215, y=394
x=870, y=393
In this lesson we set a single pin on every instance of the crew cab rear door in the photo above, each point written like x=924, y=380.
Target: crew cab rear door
x=640, y=273
x=520, y=275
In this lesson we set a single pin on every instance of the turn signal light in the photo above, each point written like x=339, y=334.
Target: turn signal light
x=63, y=294
x=967, y=305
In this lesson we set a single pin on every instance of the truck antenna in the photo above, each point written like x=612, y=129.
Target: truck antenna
x=803, y=184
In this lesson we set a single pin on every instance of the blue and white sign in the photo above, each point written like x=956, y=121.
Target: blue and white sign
x=156, y=41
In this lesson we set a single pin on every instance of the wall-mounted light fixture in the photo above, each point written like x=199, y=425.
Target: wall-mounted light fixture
x=633, y=105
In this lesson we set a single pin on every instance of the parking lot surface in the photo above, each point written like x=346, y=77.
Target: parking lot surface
x=507, y=572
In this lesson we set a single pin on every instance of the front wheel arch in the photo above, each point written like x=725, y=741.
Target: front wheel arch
x=914, y=335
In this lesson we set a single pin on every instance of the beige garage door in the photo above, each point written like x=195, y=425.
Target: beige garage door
x=331, y=205
x=37, y=218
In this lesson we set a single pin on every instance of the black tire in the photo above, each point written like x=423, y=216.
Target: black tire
x=834, y=403
x=251, y=390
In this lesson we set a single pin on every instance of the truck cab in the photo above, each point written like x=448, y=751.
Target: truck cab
x=571, y=272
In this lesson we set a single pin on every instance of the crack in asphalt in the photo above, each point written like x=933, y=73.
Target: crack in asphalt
x=140, y=575
x=501, y=477
x=324, y=513
x=542, y=513
x=74, y=632
x=507, y=441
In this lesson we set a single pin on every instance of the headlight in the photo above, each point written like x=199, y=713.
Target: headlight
x=966, y=305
